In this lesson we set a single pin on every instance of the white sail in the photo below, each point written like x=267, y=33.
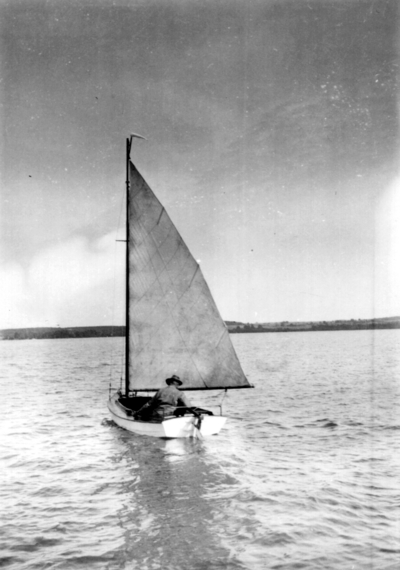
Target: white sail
x=174, y=324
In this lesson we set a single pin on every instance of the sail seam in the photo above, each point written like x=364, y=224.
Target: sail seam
x=160, y=216
x=157, y=279
x=194, y=275
x=221, y=337
x=157, y=275
x=148, y=232
x=150, y=258
x=176, y=314
x=179, y=332
x=191, y=356
x=171, y=314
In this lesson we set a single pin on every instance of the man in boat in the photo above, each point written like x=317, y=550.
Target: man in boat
x=164, y=402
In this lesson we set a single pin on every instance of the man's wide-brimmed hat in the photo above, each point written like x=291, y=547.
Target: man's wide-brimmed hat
x=174, y=379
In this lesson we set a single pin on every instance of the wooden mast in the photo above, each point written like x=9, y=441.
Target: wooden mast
x=127, y=326
x=128, y=151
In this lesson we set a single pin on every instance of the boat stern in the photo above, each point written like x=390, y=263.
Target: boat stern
x=190, y=425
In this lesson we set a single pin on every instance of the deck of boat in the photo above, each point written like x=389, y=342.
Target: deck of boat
x=185, y=422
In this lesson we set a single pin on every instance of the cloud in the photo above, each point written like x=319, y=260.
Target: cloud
x=75, y=283
x=12, y=295
x=387, y=260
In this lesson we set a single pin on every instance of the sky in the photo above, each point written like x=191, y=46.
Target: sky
x=272, y=139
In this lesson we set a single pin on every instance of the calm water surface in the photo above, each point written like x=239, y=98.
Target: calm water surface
x=306, y=473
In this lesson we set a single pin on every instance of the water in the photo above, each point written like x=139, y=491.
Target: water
x=305, y=474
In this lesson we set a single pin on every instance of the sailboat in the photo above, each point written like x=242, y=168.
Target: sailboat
x=173, y=326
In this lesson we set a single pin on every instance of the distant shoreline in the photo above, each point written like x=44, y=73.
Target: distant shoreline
x=233, y=327
x=338, y=325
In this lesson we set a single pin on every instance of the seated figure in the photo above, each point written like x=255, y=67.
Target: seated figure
x=164, y=402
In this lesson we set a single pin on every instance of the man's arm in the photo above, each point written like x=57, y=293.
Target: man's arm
x=184, y=401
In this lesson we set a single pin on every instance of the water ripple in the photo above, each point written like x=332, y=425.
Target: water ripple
x=305, y=475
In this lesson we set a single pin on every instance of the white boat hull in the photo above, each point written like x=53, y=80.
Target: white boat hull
x=172, y=427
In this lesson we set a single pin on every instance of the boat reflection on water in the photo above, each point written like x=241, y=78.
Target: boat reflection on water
x=169, y=515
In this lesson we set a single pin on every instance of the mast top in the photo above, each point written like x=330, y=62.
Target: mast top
x=132, y=135
x=129, y=143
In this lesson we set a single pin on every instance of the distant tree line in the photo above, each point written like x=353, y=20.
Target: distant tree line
x=72, y=332
x=233, y=327
x=286, y=326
